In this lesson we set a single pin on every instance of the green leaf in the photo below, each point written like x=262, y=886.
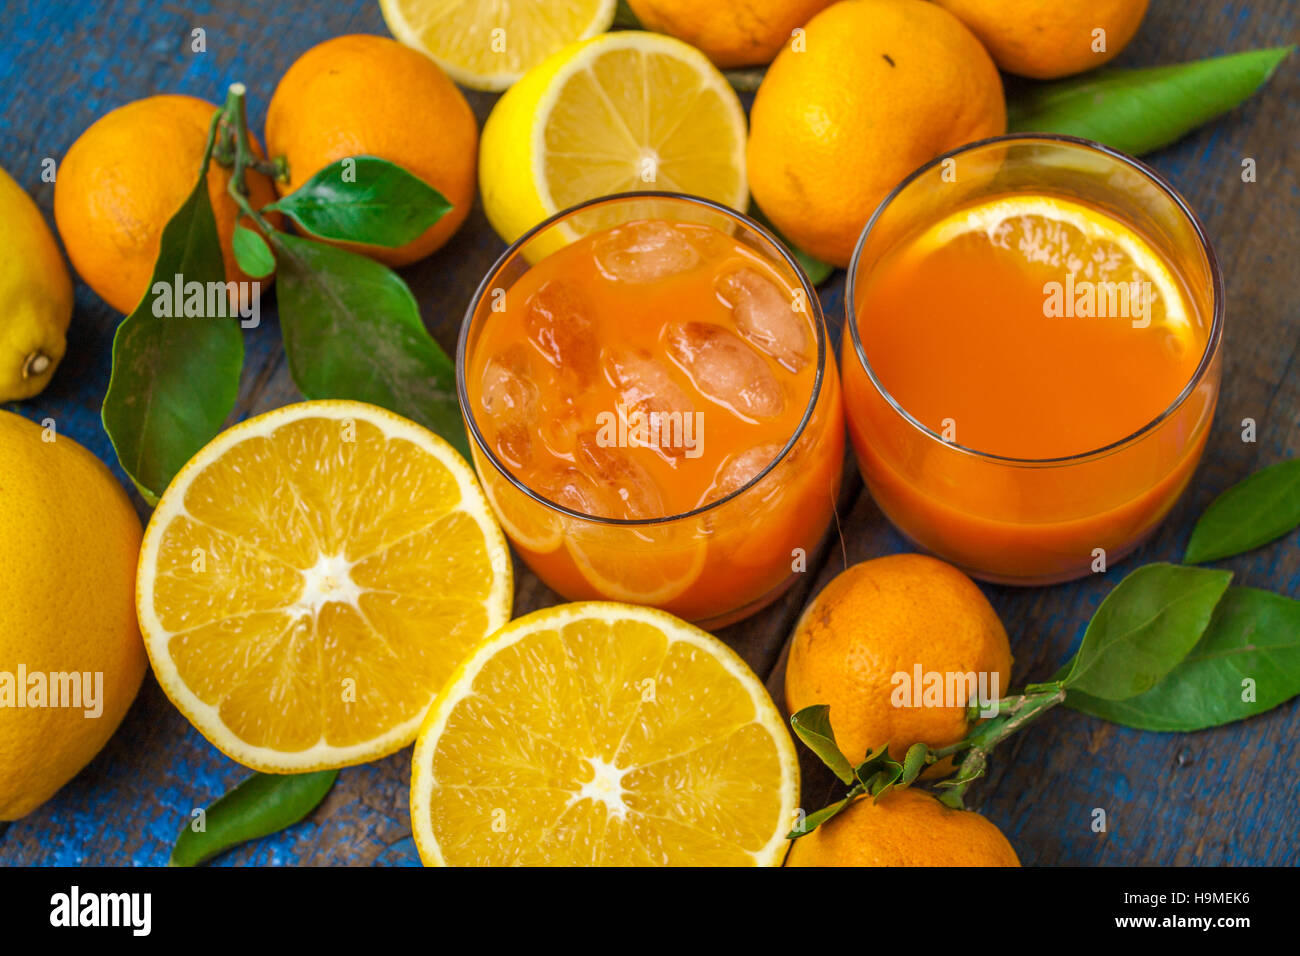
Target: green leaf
x=252, y=253
x=1143, y=628
x=1254, y=634
x=817, y=270
x=913, y=763
x=1139, y=110
x=879, y=772
x=812, y=725
x=265, y=803
x=814, y=820
x=365, y=199
x=1252, y=512
x=352, y=330
x=174, y=379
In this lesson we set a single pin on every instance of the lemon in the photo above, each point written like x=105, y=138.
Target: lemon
x=35, y=297
x=310, y=579
x=1061, y=236
x=622, y=111
x=489, y=44
x=67, y=581
x=603, y=734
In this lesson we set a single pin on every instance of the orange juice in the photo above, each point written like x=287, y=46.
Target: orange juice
x=635, y=384
x=1030, y=382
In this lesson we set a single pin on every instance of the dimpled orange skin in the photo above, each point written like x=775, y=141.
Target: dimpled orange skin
x=730, y=32
x=367, y=95
x=881, y=87
x=1047, y=39
x=883, y=617
x=125, y=177
x=905, y=828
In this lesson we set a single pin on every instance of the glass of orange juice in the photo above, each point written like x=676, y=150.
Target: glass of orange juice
x=1033, y=355
x=653, y=405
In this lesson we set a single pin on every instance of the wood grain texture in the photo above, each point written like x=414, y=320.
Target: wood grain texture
x=1225, y=796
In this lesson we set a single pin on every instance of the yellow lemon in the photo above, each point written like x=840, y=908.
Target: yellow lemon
x=67, y=617
x=603, y=734
x=310, y=579
x=488, y=46
x=35, y=297
x=622, y=111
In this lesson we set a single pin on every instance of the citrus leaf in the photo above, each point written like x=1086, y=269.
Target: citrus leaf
x=252, y=253
x=263, y=804
x=812, y=725
x=175, y=377
x=1252, y=512
x=1143, y=628
x=352, y=330
x=813, y=820
x=365, y=199
x=1139, y=110
x=1253, y=635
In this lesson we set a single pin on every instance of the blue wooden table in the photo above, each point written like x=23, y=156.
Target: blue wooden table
x=1226, y=796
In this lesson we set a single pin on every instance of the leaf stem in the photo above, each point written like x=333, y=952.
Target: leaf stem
x=236, y=120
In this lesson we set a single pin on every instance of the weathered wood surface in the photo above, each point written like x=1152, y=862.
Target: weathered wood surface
x=1220, y=797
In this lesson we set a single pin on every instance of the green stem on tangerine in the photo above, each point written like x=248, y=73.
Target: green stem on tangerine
x=238, y=143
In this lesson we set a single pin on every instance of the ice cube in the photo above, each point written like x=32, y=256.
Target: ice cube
x=765, y=316
x=509, y=396
x=739, y=470
x=558, y=321
x=616, y=471
x=578, y=492
x=646, y=387
x=725, y=368
x=645, y=252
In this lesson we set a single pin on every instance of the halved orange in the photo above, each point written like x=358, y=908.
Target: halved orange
x=311, y=578
x=603, y=734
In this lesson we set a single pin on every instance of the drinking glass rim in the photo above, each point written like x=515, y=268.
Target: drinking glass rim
x=1211, y=343
x=810, y=295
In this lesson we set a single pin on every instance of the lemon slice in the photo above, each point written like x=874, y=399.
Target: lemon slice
x=311, y=578
x=489, y=44
x=603, y=734
x=1061, y=237
x=622, y=111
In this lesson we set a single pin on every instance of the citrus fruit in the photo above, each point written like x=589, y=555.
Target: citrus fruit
x=1046, y=39
x=1057, y=236
x=886, y=617
x=67, y=611
x=903, y=828
x=622, y=111
x=730, y=32
x=311, y=577
x=488, y=46
x=881, y=87
x=370, y=96
x=603, y=734
x=125, y=177
x=35, y=297
x=662, y=562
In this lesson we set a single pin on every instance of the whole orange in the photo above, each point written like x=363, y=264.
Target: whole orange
x=125, y=177
x=880, y=87
x=904, y=828
x=730, y=32
x=367, y=95
x=857, y=647
x=1046, y=39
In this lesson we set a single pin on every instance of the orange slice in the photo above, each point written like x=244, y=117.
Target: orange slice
x=311, y=578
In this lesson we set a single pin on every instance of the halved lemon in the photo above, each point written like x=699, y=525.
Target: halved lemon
x=603, y=734
x=489, y=44
x=1059, y=237
x=311, y=578
x=623, y=111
